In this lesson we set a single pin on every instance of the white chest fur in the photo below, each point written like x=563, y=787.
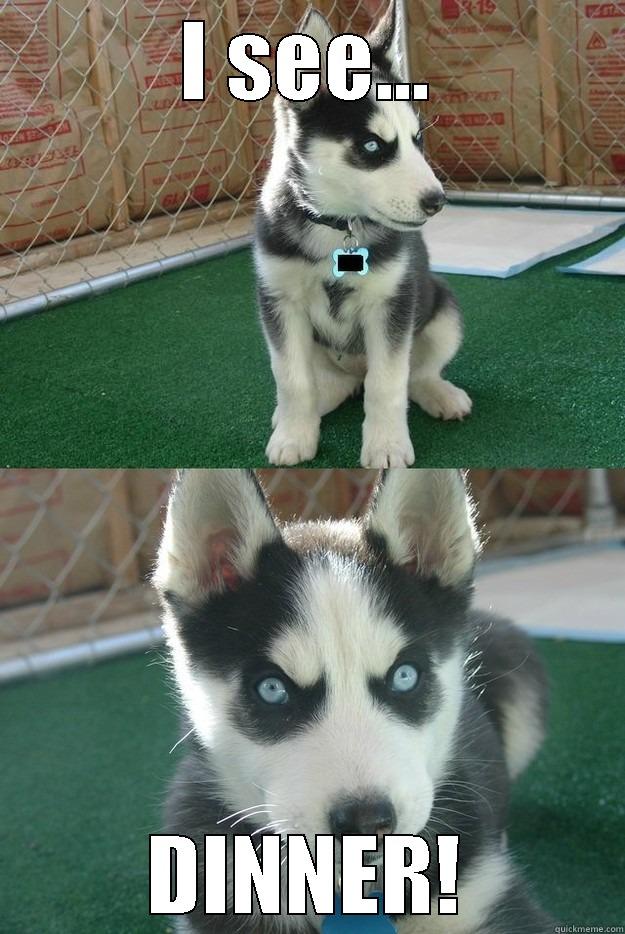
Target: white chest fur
x=336, y=307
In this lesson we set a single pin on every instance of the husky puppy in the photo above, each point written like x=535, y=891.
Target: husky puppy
x=358, y=163
x=337, y=681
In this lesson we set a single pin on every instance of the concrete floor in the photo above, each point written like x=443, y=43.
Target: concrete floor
x=575, y=593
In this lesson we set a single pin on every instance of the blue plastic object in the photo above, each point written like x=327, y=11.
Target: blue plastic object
x=339, y=923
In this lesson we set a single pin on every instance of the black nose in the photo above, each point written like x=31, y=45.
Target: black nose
x=432, y=202
x=363, y=815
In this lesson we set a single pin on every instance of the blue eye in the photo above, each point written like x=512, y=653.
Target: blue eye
x=272, y=691
x=405, y=678
x=371, y=145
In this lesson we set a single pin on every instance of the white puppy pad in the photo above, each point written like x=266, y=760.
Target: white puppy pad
x=609, y=262
x=503, y=241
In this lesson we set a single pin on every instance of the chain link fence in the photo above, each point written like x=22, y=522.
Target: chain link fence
x=107, y=176
x=77, y=546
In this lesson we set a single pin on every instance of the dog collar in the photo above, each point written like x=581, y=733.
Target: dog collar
x=327, y=220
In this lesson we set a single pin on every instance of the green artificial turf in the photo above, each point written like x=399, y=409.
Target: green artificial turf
x=174, y=372
x=85, y=756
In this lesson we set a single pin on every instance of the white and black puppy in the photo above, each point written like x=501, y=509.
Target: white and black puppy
x=336, y=680
x=359, y=163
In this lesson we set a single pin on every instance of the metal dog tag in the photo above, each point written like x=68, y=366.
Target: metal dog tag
x=339, y=923
x=350, y=260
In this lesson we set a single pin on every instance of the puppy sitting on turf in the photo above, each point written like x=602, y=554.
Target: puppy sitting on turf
x=337, y=681
x=346, y=175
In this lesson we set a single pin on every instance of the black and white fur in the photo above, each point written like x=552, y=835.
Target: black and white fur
x=395, y=328
x=332, y=608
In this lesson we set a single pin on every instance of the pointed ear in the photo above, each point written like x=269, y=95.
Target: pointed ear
x=426, y=520
x=315, y=25
x=217, y=522
x=386, y=40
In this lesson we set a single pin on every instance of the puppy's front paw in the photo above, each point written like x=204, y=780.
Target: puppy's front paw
x=292, y=442
x=440, y=398
x=384, y=447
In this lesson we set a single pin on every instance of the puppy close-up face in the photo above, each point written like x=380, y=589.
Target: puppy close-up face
x=321, y=663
